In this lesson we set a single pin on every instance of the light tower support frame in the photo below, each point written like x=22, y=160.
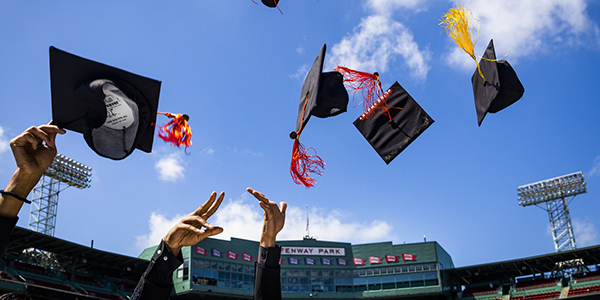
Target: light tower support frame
x=44, y=202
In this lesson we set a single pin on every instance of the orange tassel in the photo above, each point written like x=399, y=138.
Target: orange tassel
x=177, y=131
x=304, y=164
x=368, y=83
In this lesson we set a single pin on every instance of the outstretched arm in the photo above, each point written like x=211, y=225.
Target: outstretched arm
x=34, y=151
x=156, y=283
x=267, y=276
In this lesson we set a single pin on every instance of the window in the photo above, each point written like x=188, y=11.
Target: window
x=402, y=281
x=374, y=283
x=431, y=278
x=388, y=282
x=360, y=284
x=416, y=279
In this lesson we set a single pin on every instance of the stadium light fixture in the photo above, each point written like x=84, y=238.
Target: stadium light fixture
x=551, y=189
x=70, y=172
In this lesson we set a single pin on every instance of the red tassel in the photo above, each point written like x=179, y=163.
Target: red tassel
x=368, y=83
x=304, y=164
x=177, y=131
x=380, y=106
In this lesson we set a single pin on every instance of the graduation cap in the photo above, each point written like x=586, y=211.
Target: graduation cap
x=271, y=3
x=114, y=109
x=389, y=134
x=498, y=85
x=323, y=95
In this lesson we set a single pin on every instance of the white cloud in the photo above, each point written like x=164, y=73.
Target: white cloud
x=376, y=43
x=525, y=27
x=208, y=151
x=3, y=141
x=159, y=226
x=170, y=168
x=243, y=217
x=301, y=72
x=595, y=167
x=585, y=233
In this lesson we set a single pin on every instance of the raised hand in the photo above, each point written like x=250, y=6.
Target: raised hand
x=35, y=148
x=189, y=230
x=274, y=218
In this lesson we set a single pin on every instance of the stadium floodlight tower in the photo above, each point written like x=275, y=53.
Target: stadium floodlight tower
x=44, y=202
x=556, y=193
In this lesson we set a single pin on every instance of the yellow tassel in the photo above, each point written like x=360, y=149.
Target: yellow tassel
x=457, y=23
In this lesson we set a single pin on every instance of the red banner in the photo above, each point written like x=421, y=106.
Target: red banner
x=374, y=260
x=200, y=250
x=281, y=261
x=231, y=255
x=407, y=256
x=358, y=261
x=391, y=258
x=246, y=257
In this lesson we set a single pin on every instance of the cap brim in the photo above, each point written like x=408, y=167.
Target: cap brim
x=485, y=91
x=310, y=88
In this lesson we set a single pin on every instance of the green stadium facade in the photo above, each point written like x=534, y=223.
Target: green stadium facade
x=310, y=269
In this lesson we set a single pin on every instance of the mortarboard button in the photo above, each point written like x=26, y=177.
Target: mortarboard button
x=500, y=88
x=112, y=108
x=390, y=133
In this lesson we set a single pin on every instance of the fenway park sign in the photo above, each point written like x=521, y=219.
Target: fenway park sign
x=313, y=251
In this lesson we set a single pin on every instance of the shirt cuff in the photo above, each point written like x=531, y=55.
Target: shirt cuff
x=163, y=263
x=269, y=257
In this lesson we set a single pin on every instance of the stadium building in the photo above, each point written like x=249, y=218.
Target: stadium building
x=310, y=269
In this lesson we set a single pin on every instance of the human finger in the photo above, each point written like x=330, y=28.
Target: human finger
x=213, y=208
x=258, y=195
x=204, y=207
x=283, y=207
x=188, y=227
x=196, y=221
x=25, y=138
x=46, y=133
x=267, y=209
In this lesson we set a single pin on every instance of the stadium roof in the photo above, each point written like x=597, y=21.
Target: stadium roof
x=522, y=267
x=75, y=257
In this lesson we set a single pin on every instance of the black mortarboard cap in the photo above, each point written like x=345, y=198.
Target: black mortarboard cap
x=270, y=3
x=501, y=86
x=115, y=110
x=323, y=94
x=391, y=134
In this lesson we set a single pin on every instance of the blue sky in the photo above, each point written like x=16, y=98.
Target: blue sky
x=237, y=70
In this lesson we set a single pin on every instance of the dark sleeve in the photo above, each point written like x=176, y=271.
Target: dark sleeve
x=6, y=227
x=157, y=281
x=267, y=277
